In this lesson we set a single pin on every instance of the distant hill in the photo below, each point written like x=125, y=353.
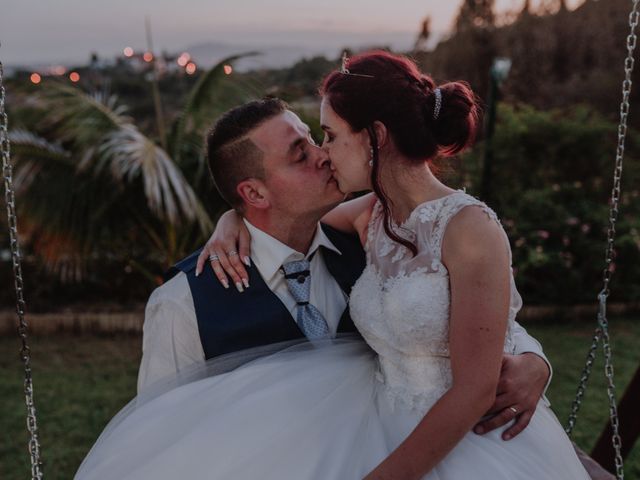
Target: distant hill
x=279, y=49
x=208, y=54
x=284, y=52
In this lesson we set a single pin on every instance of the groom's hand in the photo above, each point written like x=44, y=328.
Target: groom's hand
x=523, y=379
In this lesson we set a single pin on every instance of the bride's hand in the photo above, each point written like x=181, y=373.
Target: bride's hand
x=229, y=243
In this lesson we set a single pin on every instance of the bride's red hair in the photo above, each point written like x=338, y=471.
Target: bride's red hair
x=391, y=89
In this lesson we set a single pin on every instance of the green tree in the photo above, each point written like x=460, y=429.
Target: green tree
x=551, y=185
x=93, y=187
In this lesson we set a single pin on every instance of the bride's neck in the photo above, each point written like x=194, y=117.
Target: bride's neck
x=408, y=184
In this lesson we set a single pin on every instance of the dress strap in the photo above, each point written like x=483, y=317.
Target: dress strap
x=374, y=221
x=451, y=206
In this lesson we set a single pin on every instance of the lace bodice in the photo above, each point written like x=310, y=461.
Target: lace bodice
x=400, y=304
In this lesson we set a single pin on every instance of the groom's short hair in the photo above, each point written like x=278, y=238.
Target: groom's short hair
x=231, y=154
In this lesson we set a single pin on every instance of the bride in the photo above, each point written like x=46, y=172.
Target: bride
x=436, y=303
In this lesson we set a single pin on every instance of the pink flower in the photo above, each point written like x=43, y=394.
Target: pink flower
x=544, y=234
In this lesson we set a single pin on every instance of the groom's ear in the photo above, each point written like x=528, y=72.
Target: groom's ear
x=253, y=193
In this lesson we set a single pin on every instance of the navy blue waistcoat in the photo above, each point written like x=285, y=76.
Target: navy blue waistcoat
x=230, y=321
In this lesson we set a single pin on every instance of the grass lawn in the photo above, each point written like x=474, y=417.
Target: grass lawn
x=82, y=381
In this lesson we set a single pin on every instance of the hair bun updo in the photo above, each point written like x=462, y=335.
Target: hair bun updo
x=391, y=89
x=457, y=123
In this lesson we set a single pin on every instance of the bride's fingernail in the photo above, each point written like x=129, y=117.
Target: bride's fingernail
x=197, y=274
x=246, y=282
x=239, y=287
x=247, y=261
x=225, y=284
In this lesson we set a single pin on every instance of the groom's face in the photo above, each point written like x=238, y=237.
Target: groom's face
x=298, y=177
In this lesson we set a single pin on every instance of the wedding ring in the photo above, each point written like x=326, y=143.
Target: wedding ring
x=214, y=258
x=513, y=409
x=231, y=253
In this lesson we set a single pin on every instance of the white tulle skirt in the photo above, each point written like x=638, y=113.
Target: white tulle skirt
x=306, y=412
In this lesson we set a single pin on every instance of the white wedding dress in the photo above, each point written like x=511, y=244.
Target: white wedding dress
x=333, y=410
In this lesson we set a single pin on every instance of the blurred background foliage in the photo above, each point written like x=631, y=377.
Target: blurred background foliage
x=111, y=192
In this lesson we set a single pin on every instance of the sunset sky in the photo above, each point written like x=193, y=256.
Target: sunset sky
x=68, y=30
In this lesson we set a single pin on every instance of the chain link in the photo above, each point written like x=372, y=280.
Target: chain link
x=582, y=386
x=25, y=351
x=602, y=331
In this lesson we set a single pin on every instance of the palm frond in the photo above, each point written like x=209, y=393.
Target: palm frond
x=128, y=154
x=77, y=118
x=103, y=187
x=31, y=152
x=29, y=142
x=101, y=135
x=214, y=93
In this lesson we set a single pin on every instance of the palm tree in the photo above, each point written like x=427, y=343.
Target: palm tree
x=93, y=187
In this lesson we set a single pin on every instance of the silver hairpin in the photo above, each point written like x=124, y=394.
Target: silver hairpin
x=438, y=103
x=345, y=71
x=343, y=68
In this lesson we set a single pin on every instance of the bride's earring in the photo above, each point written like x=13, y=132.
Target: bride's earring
x=371, y=157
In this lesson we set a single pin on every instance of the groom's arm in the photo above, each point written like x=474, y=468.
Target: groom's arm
x=524, y=379
x=526, y=344
x=170, y=340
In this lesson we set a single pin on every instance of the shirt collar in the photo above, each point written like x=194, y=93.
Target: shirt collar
x=269, y=253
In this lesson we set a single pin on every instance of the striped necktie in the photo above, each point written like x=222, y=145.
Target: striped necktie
x=310, y=320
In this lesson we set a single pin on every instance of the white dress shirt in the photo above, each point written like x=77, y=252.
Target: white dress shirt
x=269, y=254
x=171, y=339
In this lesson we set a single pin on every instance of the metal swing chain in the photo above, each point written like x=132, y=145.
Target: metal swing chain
x=25, y=351
x=602, y=331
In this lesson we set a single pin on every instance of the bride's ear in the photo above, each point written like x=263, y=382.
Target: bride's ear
x=382, y=134
x=253, y=193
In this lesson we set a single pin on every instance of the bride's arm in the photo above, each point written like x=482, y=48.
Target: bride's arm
x=479, y=278
x=352, y=216
x=231, y=235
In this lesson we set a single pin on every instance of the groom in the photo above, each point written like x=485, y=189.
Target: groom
x=267, y=167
